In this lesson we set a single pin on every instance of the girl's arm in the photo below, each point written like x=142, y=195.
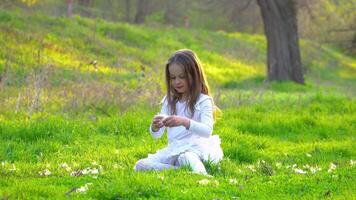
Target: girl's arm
x=205, y=127
x=164, y=111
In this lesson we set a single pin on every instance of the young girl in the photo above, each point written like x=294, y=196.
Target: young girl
x=187, y=113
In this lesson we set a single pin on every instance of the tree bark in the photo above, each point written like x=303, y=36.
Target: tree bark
x=85, y=6
x=170, y=12
x=127, y=10
x=280, y=25
x=141, y=11
x=69, y=8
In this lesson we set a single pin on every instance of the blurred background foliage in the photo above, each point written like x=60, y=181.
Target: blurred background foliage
x=327, y=21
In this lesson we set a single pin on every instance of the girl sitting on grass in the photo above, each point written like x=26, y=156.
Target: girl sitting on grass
x=187, y=112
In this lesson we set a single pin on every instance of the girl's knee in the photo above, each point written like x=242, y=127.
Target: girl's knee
x=187, y=157
x=141, y=165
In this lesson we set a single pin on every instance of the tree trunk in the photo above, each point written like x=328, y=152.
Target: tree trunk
x=280, y=24
x=141, y=11
x=84, y=2
x=85, y=7
x=127, y=10
x=170, y=12
x=69, y=8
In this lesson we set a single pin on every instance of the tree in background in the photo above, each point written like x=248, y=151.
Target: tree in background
x=85, y=6
x=69, y=8
x=170, y=12
x=328, y=21
x=141, y=11
x=127, y=10
x=283, y=54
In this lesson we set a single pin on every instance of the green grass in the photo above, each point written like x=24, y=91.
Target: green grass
x=99, y=118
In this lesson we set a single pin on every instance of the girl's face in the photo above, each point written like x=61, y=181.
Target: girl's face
x=179, y=80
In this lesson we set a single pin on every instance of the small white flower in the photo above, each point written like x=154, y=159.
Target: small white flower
x=86, y=171
x=76, y=173
x=251, y=167
x=313, y=170
x=294, y=165
x=161, y=177
x=352, y=162
x=13, y=168
x=233, y=181
x=44, y=172
x=332, y=167
x=308, y=155
x=306, y=166
x=204, y=182
x=83, y=188
x=3, y=163
x=299, y=171
x=94, y=171
x=260, y=161
x=64, y=165
x=278, y=165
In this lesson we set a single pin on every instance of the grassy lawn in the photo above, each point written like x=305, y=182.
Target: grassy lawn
x=71, y=129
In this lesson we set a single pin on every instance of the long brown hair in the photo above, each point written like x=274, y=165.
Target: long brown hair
x=195, y=77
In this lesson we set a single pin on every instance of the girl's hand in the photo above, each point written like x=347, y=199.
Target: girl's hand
x=157, y=123
x=174, y=120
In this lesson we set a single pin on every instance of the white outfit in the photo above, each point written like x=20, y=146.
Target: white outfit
x=186, y=146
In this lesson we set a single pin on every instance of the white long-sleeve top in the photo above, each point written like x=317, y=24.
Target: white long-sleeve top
x=201, y=124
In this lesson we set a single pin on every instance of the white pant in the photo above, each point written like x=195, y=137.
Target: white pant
x=184, y=159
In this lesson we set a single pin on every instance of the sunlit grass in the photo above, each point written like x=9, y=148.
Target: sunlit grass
x=281, y=140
